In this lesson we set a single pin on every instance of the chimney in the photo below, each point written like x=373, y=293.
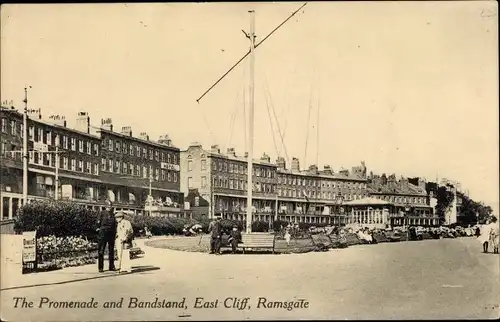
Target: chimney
x=281, y=163
x=344, y=172
x=383, y=179
x=313, y=169
x=295, y=165
x=58, y=120
x=144, y=136
x=215, y=149
x=83, y=122
x=107, y=124
x=165, y=139
x=246, y=154
x=126, y=130
x=265, y=158
x=231, y=152
x=327, y=169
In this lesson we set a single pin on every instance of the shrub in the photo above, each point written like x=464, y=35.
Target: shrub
x=58, y=218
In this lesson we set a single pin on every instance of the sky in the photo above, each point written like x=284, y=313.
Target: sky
x=410, y=88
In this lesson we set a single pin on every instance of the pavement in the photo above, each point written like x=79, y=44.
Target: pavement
x=430, y=279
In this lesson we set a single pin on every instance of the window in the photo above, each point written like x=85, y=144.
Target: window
x=131, y=169
x=190, y=182
x=73, y=144
x=40, y=135
x=65, y=163
x=138, y=170
x=203, y=165
x=157, y=155
x=110, y=165
x=150, y=154
x=163, y=176
x=49, y=138
x=31, y=132
x=65, y=141
x=49, y=159
x=175, y=159
x=144, y=172
x=175, y=176
x=190, y=165
x=89, y=167
x=145, y=153
x=163, y=157
x=80, y=146
x=124, y=168
x=125, y=149
x=110, y=145
x=21, y=130
x=96, y=149
x=169, y=176
x=80, y=166
x=103, y=164
x=117, y=166
x=138, y=152
x=4, y=125
x=169, y=158
x=96, y=169
x=157, y=173
x=150, y=172
x=131, y=149
x=214, y=166
x=89, y=148
x=203, y=182
x=117, y=147
x=40, y=158
x=73, y=165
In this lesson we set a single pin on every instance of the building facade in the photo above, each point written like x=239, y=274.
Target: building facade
x=85, y=174
x=292, y=195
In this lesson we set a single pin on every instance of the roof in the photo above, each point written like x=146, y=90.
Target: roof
x=124, y=136
x=366, y=202
x=395, y=190
x=320, y=175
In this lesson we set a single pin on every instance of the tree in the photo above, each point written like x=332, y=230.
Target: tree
x=444, y=198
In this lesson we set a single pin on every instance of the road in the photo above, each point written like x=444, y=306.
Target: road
x=431, y=279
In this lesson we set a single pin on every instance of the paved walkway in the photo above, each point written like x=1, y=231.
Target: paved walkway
x=11, y=279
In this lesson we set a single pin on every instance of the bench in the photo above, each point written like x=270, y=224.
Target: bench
x=257, y=240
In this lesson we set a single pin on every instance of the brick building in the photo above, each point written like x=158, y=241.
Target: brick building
x=310, y=196
x=85, y=175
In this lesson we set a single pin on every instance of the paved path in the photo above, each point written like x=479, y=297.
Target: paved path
x=429, y=279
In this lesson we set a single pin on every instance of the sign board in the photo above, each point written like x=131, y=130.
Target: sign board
x=29, y=246
x=40, y=147
x=169, y=166
x=150, y=208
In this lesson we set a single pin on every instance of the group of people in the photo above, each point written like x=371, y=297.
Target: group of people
x=114, y=230
x=489, y=235
x=217, y=233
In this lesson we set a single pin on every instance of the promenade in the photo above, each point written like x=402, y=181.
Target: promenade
x=430, y=279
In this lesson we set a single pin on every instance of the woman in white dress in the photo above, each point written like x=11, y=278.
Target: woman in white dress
x=124, y=234
x=484, y=235
x=494, y=234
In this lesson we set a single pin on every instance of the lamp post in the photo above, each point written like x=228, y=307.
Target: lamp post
x=339, y=200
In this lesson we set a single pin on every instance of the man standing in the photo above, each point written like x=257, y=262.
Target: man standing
x=124, y=236
x=235, y=238
x=216, y=235
x=106, y=232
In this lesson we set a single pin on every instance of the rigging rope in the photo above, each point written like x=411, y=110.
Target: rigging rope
x=277, y=123
x=266, y=93
x=245, y=118
x=307, y=125
x=234, y=113
x=211, y=133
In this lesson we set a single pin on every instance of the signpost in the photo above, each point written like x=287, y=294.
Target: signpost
x=29, y=250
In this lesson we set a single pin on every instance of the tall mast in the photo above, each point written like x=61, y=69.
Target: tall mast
x=250, y=122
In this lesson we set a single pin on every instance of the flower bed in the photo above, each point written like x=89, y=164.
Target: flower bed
x=59, y=252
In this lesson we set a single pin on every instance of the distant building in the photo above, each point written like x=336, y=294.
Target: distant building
x=95, y=164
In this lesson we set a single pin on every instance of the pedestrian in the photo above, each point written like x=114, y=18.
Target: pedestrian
x=216, y=235
x=123, y=241
x=106, y=232
x=235, y=238
x=494, y=234
x=484, y=236
x=212, y=243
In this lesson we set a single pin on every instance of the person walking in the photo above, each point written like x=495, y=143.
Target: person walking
x=494, y=234
x=106, y=232
x=123, y=241
x=484, y=236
